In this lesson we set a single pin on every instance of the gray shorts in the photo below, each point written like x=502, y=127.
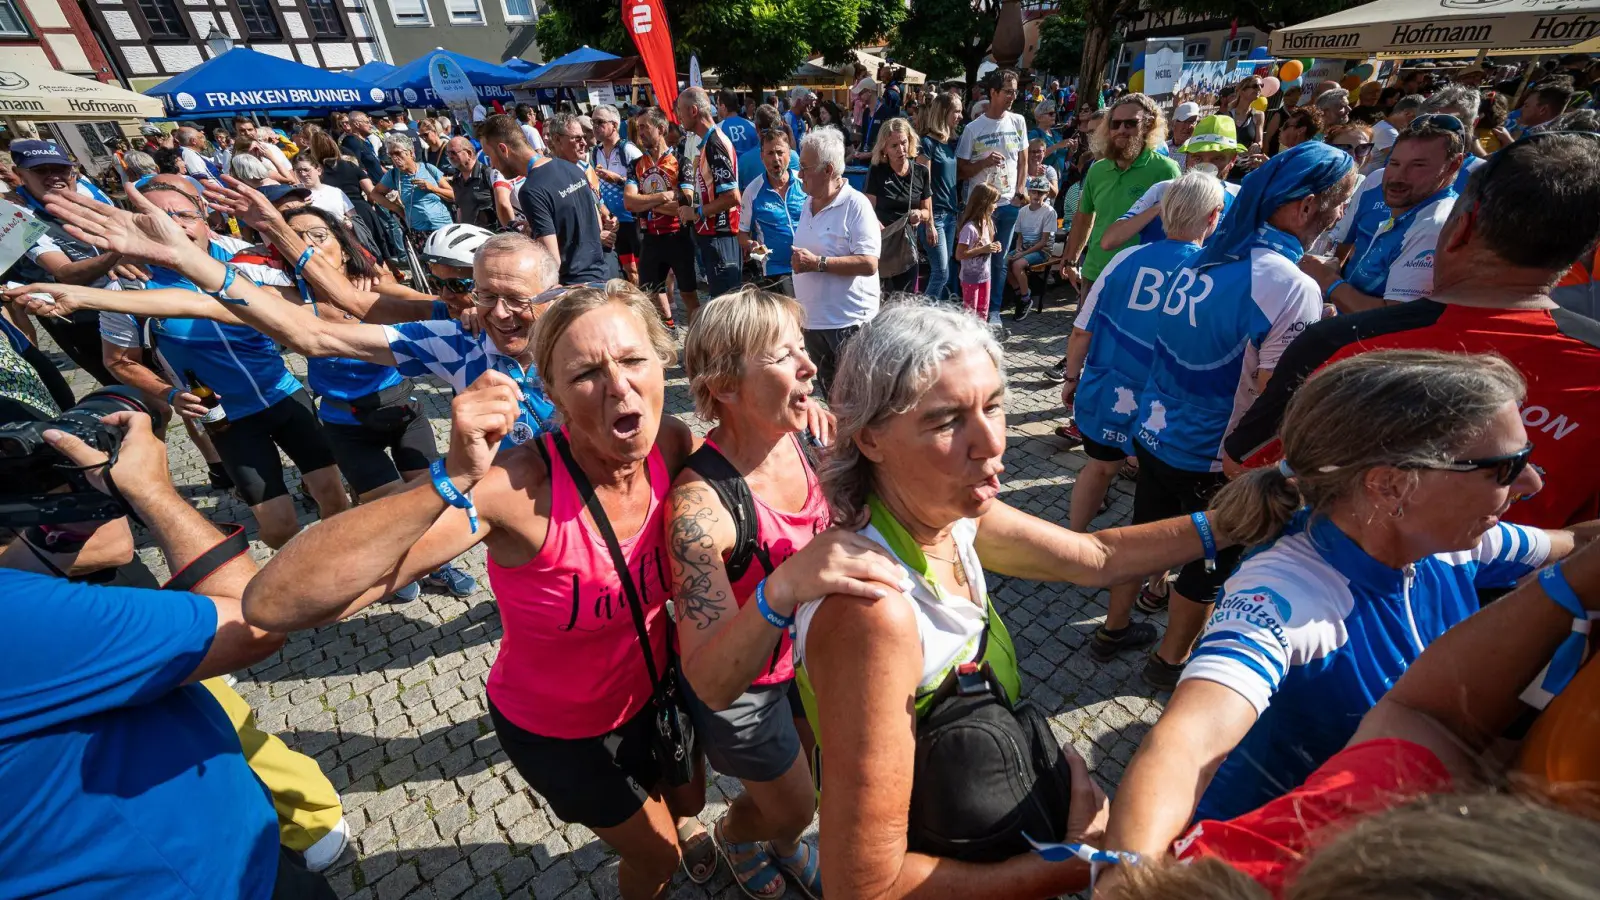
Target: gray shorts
x=755, y=738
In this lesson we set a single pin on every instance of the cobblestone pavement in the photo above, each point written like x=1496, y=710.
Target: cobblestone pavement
x=391, y=702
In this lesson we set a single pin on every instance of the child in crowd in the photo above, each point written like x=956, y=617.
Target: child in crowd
x=1036, y=231
x=974, y=244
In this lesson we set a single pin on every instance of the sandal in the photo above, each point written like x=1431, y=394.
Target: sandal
x=753, y=869
x=807, y=876
x=699, y=855
x=1151, y=602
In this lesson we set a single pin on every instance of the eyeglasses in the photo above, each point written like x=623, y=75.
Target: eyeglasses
x=1436, y=120
x=454, y=285
x=179, y=215
x=1507, y=467
x=1119, y=124
x=513, y=304
x=316, y=235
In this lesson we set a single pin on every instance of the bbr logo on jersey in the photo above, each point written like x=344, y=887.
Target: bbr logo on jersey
x=1184, y=294
x=1147, y=282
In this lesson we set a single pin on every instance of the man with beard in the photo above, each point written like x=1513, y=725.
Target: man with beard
x=1225, y=321
x=1212, y=147
x=1396, y=266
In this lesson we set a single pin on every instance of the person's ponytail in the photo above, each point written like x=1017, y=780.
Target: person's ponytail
x=1254, y=508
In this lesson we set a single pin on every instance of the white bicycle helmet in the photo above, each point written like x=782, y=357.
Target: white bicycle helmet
x=455, y=245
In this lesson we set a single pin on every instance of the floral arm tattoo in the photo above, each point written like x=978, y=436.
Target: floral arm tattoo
x=694, y=557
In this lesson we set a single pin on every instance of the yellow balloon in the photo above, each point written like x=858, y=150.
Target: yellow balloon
x=1259, y=104
x=1291, y=70
x=1136, y=82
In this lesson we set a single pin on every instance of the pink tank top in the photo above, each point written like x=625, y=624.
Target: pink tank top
x=570, y=665
x=779, y=535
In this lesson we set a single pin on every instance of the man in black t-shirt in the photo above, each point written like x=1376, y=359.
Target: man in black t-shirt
x=560, y=209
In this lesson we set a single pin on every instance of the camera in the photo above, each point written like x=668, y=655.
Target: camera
x=32, y=472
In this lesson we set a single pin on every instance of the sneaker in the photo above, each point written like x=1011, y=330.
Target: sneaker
x=220, y=480
x=1160, y=674
x=326, y=851
x=1070, y=433
x=1024, y=308
x=406, y=594
x=453, y=580
x=1107, y=644
x=1056, y=374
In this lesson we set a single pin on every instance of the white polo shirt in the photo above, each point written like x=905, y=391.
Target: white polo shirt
x=846, y=227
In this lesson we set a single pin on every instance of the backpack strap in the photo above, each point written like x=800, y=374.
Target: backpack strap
x=709, y=463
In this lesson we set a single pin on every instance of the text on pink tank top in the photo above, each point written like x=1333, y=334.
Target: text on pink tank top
x=782, y=534
x=570, y=664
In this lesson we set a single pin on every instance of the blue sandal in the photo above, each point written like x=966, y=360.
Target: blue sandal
x=806, y=877
x=753, y=869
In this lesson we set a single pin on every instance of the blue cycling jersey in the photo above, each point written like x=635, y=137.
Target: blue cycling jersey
x=446, y=350
x=1122, y=312
x=1397, y=263
x=741, y=133
x=240, y=363
x=1312, y=631
x=1219, y=326
x=344, y=379
x=771, y=219
x=1154, y=231
x=1362, y=215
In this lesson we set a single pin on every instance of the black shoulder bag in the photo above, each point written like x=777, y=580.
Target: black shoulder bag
x=673, y=738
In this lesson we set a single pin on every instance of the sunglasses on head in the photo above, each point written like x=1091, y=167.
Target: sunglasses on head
x=1436, y=120
x=1507, y=467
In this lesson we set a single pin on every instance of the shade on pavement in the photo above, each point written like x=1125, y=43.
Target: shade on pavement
x=29, y=90
x=243, y=80
x=1399, y=28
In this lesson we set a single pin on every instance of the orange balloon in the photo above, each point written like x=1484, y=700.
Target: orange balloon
x=1351, y=83
x=1291, y=70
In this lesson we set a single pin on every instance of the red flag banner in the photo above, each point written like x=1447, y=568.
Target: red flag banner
x=646, y=21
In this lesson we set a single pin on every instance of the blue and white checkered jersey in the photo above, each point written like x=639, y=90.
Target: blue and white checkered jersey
x=446, y=350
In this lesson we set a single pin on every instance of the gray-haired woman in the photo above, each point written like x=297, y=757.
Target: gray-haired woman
x=416, y=190
x=1374, y=537
x=916, y=467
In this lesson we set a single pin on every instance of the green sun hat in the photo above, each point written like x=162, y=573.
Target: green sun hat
x=1213, y=133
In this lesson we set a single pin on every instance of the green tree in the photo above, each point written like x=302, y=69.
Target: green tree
x=946, y=38
x=1060, y=49
x=753, y=43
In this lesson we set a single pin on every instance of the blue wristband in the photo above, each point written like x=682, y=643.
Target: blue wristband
x=227, y=282
x=172, y=393
x=447, y=489
x=1328, y=294
x=766, y=611
x=1203, y=525
x=1569, y=656
x=300, y=264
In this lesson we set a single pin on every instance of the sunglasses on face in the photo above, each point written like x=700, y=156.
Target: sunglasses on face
x=1119, y=124
x=453, y=285
x=1507, y=467
x=1356, y=150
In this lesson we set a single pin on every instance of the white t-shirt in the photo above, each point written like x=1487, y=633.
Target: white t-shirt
x=331, y=199
x=846, y=227
x=1007, y=134
x=195, y=164
x=535, y=140
x=1031, y=223
x=1383, y=136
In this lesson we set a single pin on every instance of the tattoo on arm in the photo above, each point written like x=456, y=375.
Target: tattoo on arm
x=694, y=557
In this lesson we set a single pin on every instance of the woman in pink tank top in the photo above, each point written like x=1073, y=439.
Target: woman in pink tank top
x=570, y=692
x=744, y=514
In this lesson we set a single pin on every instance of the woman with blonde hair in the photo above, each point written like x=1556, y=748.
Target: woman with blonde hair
x=1249, y=123
x=898, y=189
x=1369, y=541
x=744, y=513
x=937, y=123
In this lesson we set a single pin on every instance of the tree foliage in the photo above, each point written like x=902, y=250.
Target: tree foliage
x=946, y=38
x=1060, y=49
x=748, y=42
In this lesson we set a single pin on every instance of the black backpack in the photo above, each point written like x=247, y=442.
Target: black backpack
x=988, y=775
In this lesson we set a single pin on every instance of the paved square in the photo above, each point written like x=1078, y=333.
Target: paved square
x=391, y=702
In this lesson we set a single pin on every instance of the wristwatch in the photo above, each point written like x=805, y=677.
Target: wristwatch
x=822, y=264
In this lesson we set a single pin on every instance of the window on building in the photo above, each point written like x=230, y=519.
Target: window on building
x=465, y=12
x=519, y=10
x=1195, y=51
x=163, y=19
x=259, y=20
x=1238, y=48
x=11, y=22
x=410, y=12
x=325, y=18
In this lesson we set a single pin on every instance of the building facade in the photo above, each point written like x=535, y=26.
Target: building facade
x=482, y=29
x=153, y=40
x=1206, y=38
x=54, y=33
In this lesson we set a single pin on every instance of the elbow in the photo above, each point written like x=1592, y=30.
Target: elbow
x=871, y=265
x=714, y=692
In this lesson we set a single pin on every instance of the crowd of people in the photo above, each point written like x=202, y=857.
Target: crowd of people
x=1349, y=366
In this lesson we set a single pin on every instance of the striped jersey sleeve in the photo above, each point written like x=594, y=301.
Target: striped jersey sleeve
x=437, y=348
x=1508, y=552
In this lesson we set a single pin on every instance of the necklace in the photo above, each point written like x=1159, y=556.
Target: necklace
x=956, y=564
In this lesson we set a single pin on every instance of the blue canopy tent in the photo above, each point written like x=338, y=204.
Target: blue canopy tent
x=583, y=54
x=243, y=80
x=372, y=71
x=409, y=85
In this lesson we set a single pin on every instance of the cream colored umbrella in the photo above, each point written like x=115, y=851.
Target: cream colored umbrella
x=38, y=93
x=1402, y=28
x=872, y=63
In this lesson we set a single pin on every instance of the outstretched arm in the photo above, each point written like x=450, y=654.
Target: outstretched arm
x=1012, y=542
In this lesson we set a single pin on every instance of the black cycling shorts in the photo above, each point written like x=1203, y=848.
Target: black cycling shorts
x=598, y=782
x=249, y=447
x=1162, y=492
x=1102, y=452
x=627, y=243
x=663, y=253
x=371, y=457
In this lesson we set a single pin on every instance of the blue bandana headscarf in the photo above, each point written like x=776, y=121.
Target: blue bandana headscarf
x=1302, y=170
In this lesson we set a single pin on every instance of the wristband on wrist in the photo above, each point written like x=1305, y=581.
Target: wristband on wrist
x=221, y=293
x=1203, y=525
x=447, y=490
x=172, y=393
x=1328, y=294
x=1564, y=664
x=766, y=611
x=300, y=264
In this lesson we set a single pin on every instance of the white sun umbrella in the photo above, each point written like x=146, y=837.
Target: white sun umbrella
x=33, y=91
x=1404, y=28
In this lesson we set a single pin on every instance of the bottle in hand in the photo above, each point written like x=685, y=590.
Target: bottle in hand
x=215, y=418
